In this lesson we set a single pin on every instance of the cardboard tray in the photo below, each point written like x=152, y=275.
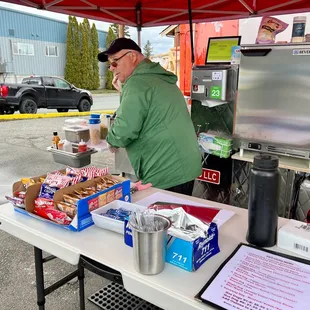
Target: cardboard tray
x=83, y=218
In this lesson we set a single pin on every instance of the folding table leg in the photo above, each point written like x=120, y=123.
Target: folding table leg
x=81, y=277
x=38, y=259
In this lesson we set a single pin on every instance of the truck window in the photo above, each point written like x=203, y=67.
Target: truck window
x=35, y=81
x=48, y=82
x=61, y=83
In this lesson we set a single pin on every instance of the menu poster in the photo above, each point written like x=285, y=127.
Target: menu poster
x=259, y=279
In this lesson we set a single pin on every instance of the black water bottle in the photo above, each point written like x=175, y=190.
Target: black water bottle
x=263, y=201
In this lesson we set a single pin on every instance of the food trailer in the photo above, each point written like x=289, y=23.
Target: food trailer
x=269, y=116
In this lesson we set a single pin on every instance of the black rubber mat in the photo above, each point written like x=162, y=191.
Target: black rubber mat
x=114, y=297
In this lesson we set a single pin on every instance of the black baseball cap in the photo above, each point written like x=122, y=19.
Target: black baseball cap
x=118, y=45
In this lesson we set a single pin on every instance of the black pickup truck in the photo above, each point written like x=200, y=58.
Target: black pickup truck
x=43, y=92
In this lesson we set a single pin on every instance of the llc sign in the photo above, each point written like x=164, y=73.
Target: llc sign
x=210, y=176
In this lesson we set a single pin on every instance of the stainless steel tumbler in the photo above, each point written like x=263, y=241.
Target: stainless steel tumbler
x=150, y=247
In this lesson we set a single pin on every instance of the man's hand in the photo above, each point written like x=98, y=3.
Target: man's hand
x=116, y=84
x=140, y=187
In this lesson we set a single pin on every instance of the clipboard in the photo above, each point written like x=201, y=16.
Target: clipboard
x=204, y=289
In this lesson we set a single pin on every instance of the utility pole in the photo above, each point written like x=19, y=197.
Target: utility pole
x=121, y=31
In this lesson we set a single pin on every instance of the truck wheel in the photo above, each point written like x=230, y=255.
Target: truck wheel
x=28, y=106
x=62, y=110
x=84, y=105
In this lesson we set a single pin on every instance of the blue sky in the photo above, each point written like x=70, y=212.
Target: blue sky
x=160, y=44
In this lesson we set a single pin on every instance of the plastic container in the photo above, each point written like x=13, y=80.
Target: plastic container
x=76, y=122
x=263, y=201
x=299, y=27
x=73, y=159
x=150, y=248
x=109, y=223
x=214, y=144
x=77, y=133
x=67, y=147
x=104, y=126
x=94, y=131
x=82, y=147
x=103, y=131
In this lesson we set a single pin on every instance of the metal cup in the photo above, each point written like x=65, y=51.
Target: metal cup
x=150, y=247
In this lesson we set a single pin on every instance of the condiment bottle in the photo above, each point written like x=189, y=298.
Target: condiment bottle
x=263, y=201
x=82, y=147
x=55, y=140
x=61, y=145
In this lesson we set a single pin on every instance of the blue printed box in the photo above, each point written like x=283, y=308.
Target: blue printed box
x=188, y=255
x=83, y=218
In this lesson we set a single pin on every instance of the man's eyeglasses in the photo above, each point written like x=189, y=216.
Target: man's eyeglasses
x=114, y=62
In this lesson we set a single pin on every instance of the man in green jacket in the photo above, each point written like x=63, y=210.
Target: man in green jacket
x=152, y=122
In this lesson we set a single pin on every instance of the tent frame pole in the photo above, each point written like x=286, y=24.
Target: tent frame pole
x=139, y=22
x=191, y=31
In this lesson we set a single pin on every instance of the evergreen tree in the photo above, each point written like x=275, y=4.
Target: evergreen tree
x=69, y=67
x=95, y=50
x=72, y=72
x=82, y=67
x=76, y=52
x=86, y=63
x=109, y=75
x=148, y=49
x=115, y=28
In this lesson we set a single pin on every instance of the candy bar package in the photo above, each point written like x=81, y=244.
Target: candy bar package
x=68, y=208
x=87, y=173
x=16, y=201
x=120, y=214
x=268, y=29
x=54, y=215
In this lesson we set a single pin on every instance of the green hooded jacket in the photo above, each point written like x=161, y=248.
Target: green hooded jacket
x=154, y=126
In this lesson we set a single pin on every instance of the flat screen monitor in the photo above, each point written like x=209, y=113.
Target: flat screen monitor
x=220, y=48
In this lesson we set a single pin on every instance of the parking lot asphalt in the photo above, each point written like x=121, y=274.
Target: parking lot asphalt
x=23, y=153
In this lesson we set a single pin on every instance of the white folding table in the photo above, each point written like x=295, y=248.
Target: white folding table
x=172, y=289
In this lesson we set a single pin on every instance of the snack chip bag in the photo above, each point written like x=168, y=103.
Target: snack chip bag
x=268, y=29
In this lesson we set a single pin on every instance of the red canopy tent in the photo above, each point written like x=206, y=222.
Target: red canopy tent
x=147, y=13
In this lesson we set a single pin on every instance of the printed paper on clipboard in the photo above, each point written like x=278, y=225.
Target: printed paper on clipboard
x=259, y=279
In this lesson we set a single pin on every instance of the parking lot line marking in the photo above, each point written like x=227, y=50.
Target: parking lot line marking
x=11, y=117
